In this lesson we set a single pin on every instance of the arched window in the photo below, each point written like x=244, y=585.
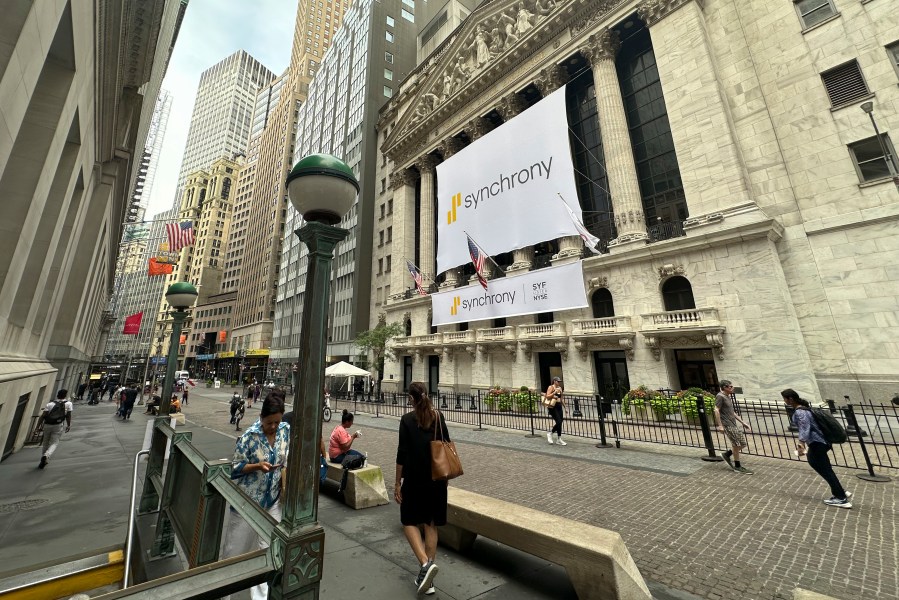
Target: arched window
x=677, y=294
x=602, y=304
x=408, y=327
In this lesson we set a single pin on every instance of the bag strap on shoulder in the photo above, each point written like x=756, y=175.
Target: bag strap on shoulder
x=437, y=426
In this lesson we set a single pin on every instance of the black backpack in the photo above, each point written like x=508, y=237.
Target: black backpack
x=833, y=432
x=353, y=462
x=57, y=414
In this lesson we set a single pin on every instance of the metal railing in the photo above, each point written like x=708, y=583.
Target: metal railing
x=873, y=428
x=665, y=231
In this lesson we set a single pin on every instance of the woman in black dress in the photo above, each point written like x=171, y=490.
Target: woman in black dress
x=422, y=500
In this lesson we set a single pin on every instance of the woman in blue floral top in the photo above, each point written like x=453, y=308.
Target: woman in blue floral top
x=259, y=460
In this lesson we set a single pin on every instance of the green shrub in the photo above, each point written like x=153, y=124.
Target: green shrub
x=525, y=401
x=636, y=397
x=687, y=401
x=499, y=399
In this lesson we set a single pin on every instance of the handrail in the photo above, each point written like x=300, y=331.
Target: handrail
x=129, y=539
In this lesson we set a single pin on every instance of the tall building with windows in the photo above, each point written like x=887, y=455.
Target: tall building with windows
x=746, y=209
x=264, y=198
x=222, y=116
x=373, y=50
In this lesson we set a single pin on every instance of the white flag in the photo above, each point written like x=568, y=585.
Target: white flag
x=590, y=240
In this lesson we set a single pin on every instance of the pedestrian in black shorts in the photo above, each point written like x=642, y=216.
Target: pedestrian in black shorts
x=732, y=425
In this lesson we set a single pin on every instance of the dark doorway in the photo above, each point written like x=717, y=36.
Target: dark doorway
x=612, y=382
x=696, y=368
x=545, y=317
x=550, y=365
x=15, y=425
x=433, y=375
x=407, y=373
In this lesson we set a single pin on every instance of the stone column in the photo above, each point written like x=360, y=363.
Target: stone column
x=550, y=79
x=402, y=182
x=600, y=50
x=427, y=236
x=510, y=107
x=449, y=147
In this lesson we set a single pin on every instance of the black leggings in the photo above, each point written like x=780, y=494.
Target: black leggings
x=819, y=461
x=556, y=413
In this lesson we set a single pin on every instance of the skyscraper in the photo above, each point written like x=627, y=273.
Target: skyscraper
x=374, y=49
x=223, y=110
x=265, y=206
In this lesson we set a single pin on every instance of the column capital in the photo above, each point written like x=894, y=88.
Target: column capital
x=511, y=106
x=401, y=178
x=601, y=46
x=653, y=11
x=427, y=163
x=450, y=146
x=478, y=127
x=550, y=79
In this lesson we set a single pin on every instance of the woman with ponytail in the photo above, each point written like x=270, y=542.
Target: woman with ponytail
x=422, y=500
x=813, y=445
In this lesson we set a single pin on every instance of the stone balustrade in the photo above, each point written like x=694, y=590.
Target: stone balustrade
x=599, y=326
x=458, y=337
x=541, y=330
x=694, y=318
x=495, y=334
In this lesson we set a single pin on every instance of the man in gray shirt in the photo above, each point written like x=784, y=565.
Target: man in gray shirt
x=732, y=425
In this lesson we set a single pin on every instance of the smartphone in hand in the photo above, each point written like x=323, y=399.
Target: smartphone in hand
x=358, y=433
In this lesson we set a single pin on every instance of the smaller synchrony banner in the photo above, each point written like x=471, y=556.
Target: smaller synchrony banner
x=544, y=290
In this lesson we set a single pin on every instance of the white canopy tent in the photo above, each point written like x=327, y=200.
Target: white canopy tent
x=347, y=371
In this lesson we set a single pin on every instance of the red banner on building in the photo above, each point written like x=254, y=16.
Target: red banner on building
x=132, y=324
x=223, y=335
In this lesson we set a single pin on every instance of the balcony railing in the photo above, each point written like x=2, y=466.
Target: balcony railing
x=427, y=340
x=541, y=330
x=605, y=325
x=695, y=318
x=458, y=337
x=496, y=334
x=665, y=231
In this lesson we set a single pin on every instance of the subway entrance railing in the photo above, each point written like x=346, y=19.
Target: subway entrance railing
x=873, y=428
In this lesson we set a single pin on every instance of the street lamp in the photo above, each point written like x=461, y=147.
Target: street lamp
x=180, y=296
x=868, y=107
x=322, y=189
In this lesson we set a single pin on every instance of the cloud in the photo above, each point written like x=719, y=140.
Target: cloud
x=211, y=31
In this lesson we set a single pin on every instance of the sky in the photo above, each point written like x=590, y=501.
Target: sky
x=212, y=30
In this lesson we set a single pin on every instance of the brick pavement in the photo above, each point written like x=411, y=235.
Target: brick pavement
x=690, y=525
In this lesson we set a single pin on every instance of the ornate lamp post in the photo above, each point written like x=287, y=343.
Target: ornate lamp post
x=322, y=189
x=868, y=107
x=180, y=296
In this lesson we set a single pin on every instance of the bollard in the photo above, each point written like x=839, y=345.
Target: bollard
x=852, y=427
x=532, y=408
x=870, y=475
x=458, y=400
x=577, y=409
x=443, y=401
x=377, y=411
x=706, y=432
x=471, y=403
x=394, y=398
x=602, y=424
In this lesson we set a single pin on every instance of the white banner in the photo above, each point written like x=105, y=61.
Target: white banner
x=504, y=188
x=544, y=290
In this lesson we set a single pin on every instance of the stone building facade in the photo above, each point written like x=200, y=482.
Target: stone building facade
x=745, y=208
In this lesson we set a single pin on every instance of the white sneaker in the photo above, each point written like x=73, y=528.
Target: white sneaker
x=549, y=438
x=430, y=591
x=560, y=442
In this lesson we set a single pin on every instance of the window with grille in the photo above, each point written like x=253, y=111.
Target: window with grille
x=813, y=12
x=845, y=84
x=870, y=159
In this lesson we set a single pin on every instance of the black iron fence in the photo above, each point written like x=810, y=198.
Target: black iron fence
x=873, y=428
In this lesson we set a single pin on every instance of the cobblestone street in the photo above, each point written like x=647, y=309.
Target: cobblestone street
x=691, y=525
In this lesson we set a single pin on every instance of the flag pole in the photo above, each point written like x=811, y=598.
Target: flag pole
x=419, y=270
x=490, y=258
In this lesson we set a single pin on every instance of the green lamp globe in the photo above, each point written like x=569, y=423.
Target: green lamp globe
x=181, y=295
x=322, y=188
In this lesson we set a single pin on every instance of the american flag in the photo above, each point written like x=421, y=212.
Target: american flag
x=477, y=259
x=416, y=275
x=180, y=235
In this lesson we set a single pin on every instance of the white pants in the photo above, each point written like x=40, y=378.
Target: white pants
x=240, y=539
x=52, y=433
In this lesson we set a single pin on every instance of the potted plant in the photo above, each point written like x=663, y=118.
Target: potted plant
x=525, y=400
x=633, y=403
x=661, y=405
x=209, y=383
x=688, y=406
x=498, y=398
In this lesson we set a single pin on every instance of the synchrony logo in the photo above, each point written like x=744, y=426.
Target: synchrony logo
x=503, y=183
x=478, y=301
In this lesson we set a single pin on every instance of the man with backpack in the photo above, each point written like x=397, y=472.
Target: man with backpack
x=56, y=415
x=817, y=431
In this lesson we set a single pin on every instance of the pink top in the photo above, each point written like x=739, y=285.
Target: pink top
x=340, y=441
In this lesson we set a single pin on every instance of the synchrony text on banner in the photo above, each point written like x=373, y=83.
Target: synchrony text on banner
x=507, y=182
